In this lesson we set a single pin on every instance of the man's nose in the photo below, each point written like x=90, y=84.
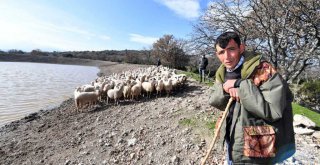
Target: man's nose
x=226, y=54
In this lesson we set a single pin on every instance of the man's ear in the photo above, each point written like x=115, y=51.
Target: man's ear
x=242, y=48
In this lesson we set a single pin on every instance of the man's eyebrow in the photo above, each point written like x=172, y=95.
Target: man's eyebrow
x=221, y=51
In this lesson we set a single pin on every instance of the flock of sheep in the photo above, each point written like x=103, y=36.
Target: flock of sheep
x=129, y=85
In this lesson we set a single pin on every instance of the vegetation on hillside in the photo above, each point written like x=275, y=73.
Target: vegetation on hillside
x=311, y=91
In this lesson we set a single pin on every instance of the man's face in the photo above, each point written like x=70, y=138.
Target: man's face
x=230, y=56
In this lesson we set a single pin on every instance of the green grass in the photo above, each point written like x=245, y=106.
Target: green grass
x=197, y=77
x=188, y=122
x=211, y=125
x=203, y=122
x=314, y=116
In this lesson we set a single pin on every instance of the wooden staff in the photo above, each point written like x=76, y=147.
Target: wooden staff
x=225, y=113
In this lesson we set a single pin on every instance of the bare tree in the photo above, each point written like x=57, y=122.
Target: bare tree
x=285, y=31
x=170, y=51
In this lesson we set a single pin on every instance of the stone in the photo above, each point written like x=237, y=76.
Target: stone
x=132, y=142
x=132, y=155
x=67, y=162
x=303, y=131
x=302, y=120
x=175, y=159
x=316, y=135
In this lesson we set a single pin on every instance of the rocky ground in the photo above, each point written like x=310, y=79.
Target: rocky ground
x=159, y=130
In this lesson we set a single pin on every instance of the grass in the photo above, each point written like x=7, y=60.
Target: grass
x=314, y=116
x=211, y=125
x=196, y=123
x=188, y=122
x=195, y=76
x=203, y=123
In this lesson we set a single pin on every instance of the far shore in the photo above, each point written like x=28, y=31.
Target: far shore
x=104, y=66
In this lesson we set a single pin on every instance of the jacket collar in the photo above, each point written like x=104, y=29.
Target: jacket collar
x=237, y=66
x=251, y=61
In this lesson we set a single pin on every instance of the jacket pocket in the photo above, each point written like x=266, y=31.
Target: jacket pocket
x=259, y=141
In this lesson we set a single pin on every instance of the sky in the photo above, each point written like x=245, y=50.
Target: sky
x=94, y=25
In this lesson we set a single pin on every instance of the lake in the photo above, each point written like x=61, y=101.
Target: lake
x=29, y=87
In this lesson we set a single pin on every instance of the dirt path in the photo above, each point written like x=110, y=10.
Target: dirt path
x=163, y=130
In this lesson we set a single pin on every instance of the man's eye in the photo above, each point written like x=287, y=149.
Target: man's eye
x=232, y=48
x=221, y=52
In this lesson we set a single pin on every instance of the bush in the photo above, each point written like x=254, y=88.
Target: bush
x=310, y=91
x=192, y=69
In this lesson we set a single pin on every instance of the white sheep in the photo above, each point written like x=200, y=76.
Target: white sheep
x=115, y=93
x=168, y=86
x=127, y=89
x=87, y=88
x=175, y=82
x=159, y=86
x=109, y=85
x=83, y=98
x=148, y=87
x=136, y=90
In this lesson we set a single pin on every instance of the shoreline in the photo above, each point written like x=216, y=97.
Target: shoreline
x=105, y=68
x=56, y=60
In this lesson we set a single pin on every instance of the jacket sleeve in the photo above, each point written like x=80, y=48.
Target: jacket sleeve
x=218, y=98
x=267, y=101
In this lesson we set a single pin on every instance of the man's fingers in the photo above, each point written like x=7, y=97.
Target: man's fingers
x=234, y=94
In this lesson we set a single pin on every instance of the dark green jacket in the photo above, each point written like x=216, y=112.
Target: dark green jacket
x=268, y=104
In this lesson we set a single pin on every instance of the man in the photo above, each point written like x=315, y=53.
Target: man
x=158, y=62
x=203, y=63
x=258, y=128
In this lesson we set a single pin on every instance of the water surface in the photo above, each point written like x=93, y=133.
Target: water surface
x=28, y=87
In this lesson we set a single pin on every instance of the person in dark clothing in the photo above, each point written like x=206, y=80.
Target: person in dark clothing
x=203, y=63
x=158, y=62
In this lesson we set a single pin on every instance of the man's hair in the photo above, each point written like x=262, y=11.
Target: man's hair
x=224, y=39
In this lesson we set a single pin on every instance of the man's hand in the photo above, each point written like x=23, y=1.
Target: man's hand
x=228, y=84
x=234, y=94
x=228, y=87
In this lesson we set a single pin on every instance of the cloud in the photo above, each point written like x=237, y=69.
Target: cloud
x=189, y=9
x=104, y=37
x=142, y=39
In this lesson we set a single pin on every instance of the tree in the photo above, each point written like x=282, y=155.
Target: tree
x=285, y=31
x=15, y=51
x=170, y=51
x=37, y=52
